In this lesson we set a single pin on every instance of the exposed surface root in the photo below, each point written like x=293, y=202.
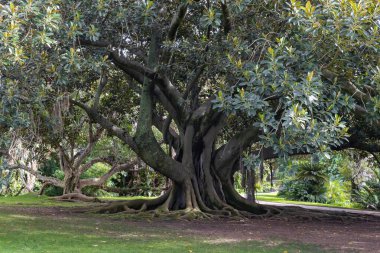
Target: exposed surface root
x=73, y=197
x=172, y=205
x=164, y=207
x=299, y=213
x=133, y=206
x=185, y=214
x=159, y=208
x=150, y=209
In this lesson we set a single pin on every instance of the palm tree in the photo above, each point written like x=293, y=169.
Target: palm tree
x=315, y=176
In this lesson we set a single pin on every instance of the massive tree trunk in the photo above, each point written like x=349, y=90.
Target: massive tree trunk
x=71, y=173
x=202, y=176
x=71, y=182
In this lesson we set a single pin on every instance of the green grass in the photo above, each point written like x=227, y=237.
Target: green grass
x=21, y=232
x=33, y=199
x=272, y=197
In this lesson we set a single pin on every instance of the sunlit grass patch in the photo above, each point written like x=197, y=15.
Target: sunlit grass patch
x=32, y=199
x=272, y=197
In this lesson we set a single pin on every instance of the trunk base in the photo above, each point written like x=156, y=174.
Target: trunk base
x=180, y=202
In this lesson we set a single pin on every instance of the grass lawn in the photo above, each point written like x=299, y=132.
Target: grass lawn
x=23, y=231
x=272, y=197
x=35, y=200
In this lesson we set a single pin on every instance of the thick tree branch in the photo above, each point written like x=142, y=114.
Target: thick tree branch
x=205, y=116
x=172, y=32
x=64, y=160
x=176, y=21
x=101, y=180
x=102, y=83
x=347, y=86
x=92, y=139
x=171, y=92
x=355, y=142
x=131, y=67
x=193, y=89
x=49, y=180
x=165, y=90
x=169, y=134
x=236, y=146
x=369, y=147
x=376, y=157
x=226, y=18
x=160, y=96
x=147, y=147
x=107, y=125
x=84, y=167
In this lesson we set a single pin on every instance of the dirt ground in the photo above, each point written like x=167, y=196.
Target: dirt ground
x=342, y=236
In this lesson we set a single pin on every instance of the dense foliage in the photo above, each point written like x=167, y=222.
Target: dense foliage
x=308, y=184
x=212, y=80
x=369, y=193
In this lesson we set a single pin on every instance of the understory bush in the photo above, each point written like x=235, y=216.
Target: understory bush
x=301, y=190
x=53, y=191
x=339, y=193
x=97, y=170
x=94, y=191
x=368, y=195
x=50, y=168
x=263, y=187
x=307, y=185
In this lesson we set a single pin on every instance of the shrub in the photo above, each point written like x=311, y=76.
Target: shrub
x=263, y=187
x=53, y=191
x=51, y=168
x=97, y=170
x=300, y=190
x=307, y=185
x=95, y=192
x=369, y=194
x=315, y=173
x=338, y=192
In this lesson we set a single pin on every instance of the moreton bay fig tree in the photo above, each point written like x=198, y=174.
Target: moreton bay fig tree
x=215, y=77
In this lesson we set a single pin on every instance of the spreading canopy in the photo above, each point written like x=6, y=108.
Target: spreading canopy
x=215, y=77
